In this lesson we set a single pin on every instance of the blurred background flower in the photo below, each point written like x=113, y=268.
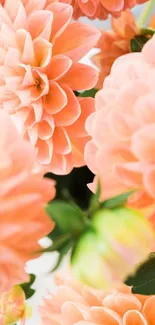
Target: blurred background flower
x=23, y=196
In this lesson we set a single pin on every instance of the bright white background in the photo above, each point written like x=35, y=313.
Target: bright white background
x=41, y=267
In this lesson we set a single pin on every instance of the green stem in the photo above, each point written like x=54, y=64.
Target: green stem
x=145, y=13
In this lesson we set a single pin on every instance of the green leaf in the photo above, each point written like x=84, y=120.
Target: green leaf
x=137, y=43
x=117, y=201
x=89, y=93
x=143, y=282
x=68, y=217
x=29, y=292
x=148, y=31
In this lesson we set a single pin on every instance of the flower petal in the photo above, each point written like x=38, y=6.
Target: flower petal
x=70, y=113
x=81, y=77
x=61, y=141
x=56, y=99
x=76, y=41
x=133, y=317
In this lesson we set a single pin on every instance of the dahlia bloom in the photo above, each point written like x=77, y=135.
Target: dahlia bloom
x=121, y=152
x=121, y=239
x=39, y=71
x=23, y=195
x=102, y=8
x=115, y=43
x=12, y=306
x=73, y=303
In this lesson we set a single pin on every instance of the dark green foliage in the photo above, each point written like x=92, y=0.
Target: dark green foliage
x=143, y=282
x=29, y=292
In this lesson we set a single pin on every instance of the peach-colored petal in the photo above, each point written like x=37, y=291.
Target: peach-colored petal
x=133, y=317
x=78, y=127
x=70, y=112
x=76, y=47
x=56, y=104
x=75, y=77
x=61, y=141
x=58, y=67
x=148, y=310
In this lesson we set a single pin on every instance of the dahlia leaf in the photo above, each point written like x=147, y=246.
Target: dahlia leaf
x=68, y=217
x=137, y=43
x=143, y=282
x=117, y=201
x=29, y=292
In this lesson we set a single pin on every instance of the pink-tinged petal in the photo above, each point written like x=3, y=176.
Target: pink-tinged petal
x=25, y=46
x=143, y=143
x=103, y=97
x=13, y=82
x=78, y=127
x=12, y=58
x=58, y=67
x=43, y=52
x=2, y=55
x=7, y=36
x=43, y=20
x=149, y=311
x=130, y=174
x=101, y=315
x=23, y=114
x=34, y=5
x=45, y=151
x=21, y=20
x=71, y=312
x=56, y=99
x=70, y=113
x=81, y=77
x=12, y=104
x=148, y=52
x=145, y=109
x=61, y=141
x=76, y=41
x=59, y=25
x=5, y=93
x=133, y=317
x=89, y=123
x=4, y=17
x=90, y=156
x=122, y=126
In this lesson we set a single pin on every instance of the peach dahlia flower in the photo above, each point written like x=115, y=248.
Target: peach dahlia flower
x=121, y=152
x=39, y=69
x=73, y=303
x=113, y=44
x=102, y=8
x=23, y=195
